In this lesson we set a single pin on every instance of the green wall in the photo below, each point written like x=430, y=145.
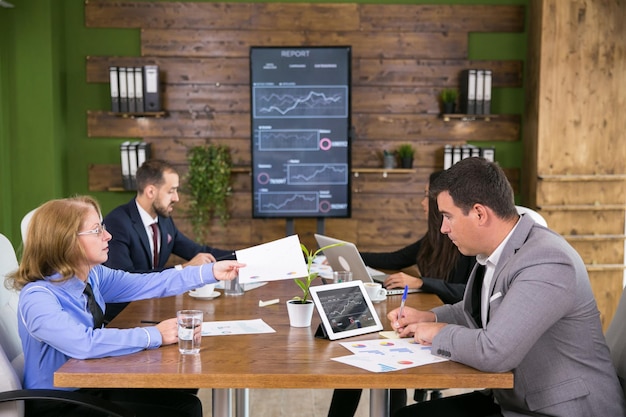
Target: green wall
x=44, y=148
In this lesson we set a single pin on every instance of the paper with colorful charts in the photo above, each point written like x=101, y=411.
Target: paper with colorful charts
x=385, y=355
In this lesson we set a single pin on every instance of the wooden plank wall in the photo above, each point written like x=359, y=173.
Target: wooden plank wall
x=403, y=56
x=574, y=133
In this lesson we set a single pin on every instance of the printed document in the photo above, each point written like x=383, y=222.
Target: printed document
x=384, y=355
x=272, y=261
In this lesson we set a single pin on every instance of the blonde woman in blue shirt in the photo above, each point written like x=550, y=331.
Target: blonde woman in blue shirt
x=64, y=250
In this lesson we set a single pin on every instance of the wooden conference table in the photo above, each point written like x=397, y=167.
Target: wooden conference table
x=290, y=358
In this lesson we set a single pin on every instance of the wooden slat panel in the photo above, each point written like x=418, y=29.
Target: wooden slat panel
x=580, y=192
x=590, y=134
x=578, y=238
x=585, y=222
x=104, y=124
x=607, y=287
x=424, y=129
x=408, y=128
x=236, y=43
x=424, y=73
x=449, y=18
x=106, y=178
x=306, y=16
x=116, y=14
x=600, y=251
x=211, y=98
x=370, y=72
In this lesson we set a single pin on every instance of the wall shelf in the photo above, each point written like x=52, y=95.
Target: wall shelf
x=383, y=171
x=468, y=117
x=126, y=115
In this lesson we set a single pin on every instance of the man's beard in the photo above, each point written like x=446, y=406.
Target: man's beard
x=161, y=211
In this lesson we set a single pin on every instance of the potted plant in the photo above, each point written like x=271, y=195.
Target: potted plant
x=389, y=159
x=448, y=100
x=405, y=153
x=300, y=308
x=208, y=185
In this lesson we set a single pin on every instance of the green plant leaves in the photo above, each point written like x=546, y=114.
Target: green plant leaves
x=208, y=185
x=305, y=283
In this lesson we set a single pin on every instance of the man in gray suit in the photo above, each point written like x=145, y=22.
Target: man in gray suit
x=531, y=311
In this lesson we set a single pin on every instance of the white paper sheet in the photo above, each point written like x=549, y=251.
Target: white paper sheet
x=384, y=355
x=228, y=328
x=273, y=261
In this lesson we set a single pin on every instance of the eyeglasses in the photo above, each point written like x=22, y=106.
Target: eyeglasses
x=97, y=231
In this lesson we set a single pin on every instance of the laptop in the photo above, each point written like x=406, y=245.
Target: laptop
x=347, y=258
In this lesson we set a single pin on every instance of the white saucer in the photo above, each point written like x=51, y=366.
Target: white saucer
x=378, y=300
x=210, y=297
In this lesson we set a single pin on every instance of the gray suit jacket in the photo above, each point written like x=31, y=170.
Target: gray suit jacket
x=544, y=325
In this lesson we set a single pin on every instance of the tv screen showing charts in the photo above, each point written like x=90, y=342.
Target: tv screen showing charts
x=300, y=109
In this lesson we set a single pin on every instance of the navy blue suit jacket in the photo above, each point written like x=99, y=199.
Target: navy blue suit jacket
x=129, y=248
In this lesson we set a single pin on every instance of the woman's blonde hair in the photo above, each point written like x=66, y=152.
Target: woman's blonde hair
x=52, y=241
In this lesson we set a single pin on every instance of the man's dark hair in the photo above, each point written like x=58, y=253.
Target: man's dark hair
x=151, y=173
x=476, y=180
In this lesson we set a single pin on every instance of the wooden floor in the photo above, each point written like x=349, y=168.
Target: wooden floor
x=300, y=402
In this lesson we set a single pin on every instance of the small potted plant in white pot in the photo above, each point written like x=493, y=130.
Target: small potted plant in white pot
x=300, y=308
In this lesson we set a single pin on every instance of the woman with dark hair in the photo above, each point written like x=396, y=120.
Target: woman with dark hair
x=443, y=271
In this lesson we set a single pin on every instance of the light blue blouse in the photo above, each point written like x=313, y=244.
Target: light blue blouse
x=55, y=324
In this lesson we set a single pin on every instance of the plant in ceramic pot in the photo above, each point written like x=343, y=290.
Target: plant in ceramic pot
x=300, y=308
x=405, y=153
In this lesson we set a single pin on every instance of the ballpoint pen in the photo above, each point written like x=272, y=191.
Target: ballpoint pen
x=230, y=255
x=404, y=294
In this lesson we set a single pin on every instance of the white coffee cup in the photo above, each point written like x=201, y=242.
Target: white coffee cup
x=204, y=291
x=375, y=290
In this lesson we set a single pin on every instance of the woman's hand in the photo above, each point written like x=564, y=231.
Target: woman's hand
x=400, y=280
x=169, y=331
x=226, y=270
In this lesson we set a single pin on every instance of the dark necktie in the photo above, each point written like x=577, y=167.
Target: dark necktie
x=155, y=241
x=476, y=294
x=94, y=308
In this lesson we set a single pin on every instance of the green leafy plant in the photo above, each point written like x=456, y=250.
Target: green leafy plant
x=448, y=95
x=208, y=185
x=406, y=150
x=305, y=283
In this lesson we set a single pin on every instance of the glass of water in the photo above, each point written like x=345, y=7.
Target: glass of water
x=189, y=330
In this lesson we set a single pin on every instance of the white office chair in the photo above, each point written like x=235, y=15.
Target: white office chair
x=25, y=222
x=12, y=356
x=8, y=263
x=616, y=340
x=538, y=218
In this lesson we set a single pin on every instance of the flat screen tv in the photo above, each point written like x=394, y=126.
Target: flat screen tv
x=300, y=111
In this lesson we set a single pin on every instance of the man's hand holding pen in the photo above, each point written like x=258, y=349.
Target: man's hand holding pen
x=420, y=324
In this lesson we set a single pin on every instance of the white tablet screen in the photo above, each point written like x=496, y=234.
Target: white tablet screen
x=345, y=309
